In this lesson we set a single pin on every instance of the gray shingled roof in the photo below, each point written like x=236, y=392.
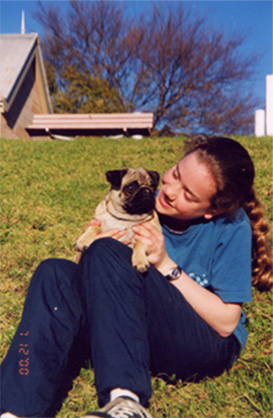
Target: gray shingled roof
x=16, y=53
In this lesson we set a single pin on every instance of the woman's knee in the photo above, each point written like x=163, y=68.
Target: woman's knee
x=106, y=248
x=57, y=282
x=108, y=260
x=49, y=264
x=55, y=270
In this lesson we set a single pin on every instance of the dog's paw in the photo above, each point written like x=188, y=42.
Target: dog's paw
x=139, y=257
x=142, y=268
x=81, y=245
x=86, y=239
x=141, y=264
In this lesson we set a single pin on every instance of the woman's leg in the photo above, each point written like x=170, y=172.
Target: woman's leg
x=181, y=342
x=36, y=364
x=132, y=316
x=117, y=320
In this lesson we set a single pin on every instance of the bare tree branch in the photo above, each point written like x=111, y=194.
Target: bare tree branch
x=169, y=62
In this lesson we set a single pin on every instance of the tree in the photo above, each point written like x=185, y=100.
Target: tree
x=80, y=92
x=190, y=76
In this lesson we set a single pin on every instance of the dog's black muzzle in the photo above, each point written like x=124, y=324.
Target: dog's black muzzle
x=143, y=201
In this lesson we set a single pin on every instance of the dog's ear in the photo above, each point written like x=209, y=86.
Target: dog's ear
x=155, y=177
x=114, y=177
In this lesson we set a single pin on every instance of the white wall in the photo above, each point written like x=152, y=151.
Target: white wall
x=269, y=105
x=259, y=122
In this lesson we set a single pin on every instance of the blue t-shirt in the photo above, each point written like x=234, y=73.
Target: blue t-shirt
x=217, y=255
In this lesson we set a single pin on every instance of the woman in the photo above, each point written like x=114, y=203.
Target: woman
x=183, y=318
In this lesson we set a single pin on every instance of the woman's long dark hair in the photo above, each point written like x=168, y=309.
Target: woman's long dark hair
x=233, y=171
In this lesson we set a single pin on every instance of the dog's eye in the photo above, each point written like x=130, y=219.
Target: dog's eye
x=130, y=188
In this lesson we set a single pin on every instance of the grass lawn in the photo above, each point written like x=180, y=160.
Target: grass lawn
x=49, y=190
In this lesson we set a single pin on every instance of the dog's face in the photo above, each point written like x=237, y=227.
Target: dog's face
x=133, y=190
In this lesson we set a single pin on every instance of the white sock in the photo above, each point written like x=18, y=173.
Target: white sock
x=116, y=393
x=8, y=415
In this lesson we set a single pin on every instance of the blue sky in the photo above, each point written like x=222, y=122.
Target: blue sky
x=254, y=17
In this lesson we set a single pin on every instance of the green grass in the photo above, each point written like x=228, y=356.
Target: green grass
x=49, y=190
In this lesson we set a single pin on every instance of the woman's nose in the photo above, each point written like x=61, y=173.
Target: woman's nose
x=170, y=192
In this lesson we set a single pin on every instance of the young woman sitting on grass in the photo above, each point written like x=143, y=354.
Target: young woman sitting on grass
x=183, y=318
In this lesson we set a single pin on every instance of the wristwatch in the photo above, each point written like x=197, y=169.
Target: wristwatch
x=174, y=274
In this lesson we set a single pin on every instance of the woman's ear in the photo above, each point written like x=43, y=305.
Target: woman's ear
x=211, y=213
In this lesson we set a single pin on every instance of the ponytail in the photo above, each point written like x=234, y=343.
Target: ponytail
x=261, y=252
x=233, y=171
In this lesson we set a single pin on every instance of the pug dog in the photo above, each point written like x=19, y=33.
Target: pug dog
x=130, y=201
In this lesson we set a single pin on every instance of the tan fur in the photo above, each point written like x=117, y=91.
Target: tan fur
x=111, y=214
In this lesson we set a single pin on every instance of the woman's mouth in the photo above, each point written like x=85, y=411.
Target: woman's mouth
x=163, y=200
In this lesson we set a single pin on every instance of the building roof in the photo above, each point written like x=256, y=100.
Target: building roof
x=17, y=52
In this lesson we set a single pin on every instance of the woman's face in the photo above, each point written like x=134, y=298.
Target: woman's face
x=186, y=190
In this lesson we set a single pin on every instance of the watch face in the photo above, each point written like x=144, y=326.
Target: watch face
x=176, y=273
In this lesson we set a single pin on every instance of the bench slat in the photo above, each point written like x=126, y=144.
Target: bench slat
x=92, y=122
x=99, y=121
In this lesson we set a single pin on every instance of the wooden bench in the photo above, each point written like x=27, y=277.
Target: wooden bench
x=91, y=124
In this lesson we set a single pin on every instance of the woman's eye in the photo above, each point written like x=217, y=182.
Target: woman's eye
x=175, y=173
x=190, y=198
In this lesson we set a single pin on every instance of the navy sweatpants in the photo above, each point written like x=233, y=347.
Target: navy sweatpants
x=126, y=323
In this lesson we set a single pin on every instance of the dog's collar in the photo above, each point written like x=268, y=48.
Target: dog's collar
x=145, y=218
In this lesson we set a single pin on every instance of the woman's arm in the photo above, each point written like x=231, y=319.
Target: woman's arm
x=222, y=317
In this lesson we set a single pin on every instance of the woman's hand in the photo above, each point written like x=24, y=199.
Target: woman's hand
x=149, y=235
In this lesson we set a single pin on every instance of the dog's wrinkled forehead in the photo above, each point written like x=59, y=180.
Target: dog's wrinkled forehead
x=141, y=175
x=119, y=178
